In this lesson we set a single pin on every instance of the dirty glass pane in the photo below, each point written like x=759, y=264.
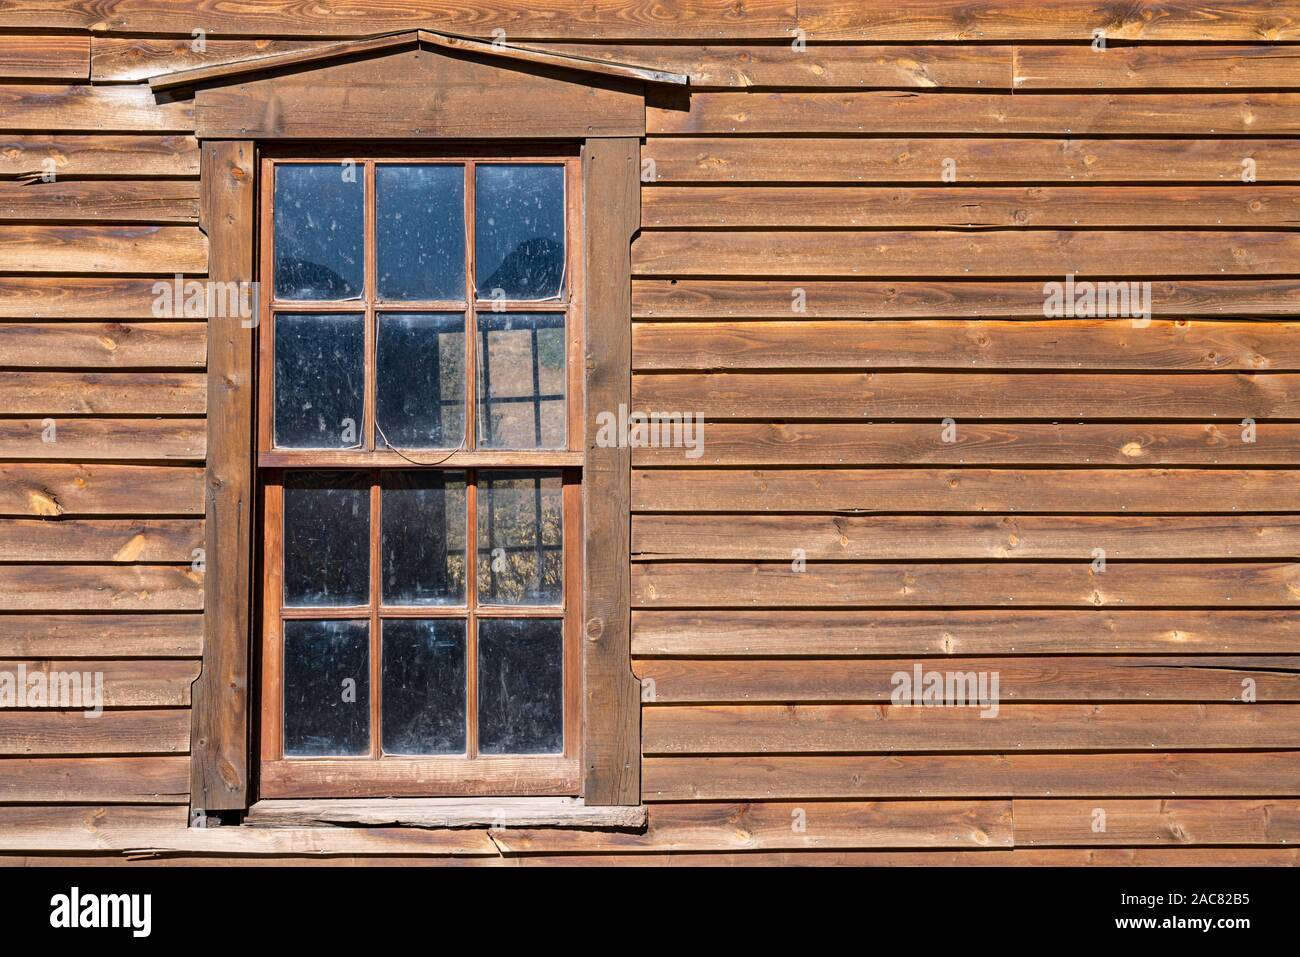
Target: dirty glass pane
x=319, y=378
x=319, y=231
x=420, y=231
x=519, y=231
x=421, y=381
x=326, y=539
x=326, y=688
x=520, y=538
x=521, y=381
x=521, y=686
x=424, y=686
x=423, y=537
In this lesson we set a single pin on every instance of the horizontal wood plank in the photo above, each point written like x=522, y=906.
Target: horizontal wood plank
x=919, y=631
x=34, y=733
x=31, y=818
x=116, y=780
x=112, y=201
x=124, y=683
x=110, y=249
x=101, y=636
x=101, y=588
x=83, y=297
x=1156, y=822
x=97, y=439
x=1156, y=67
x=103, y=345
x=103, y=540
x=36, y=154
x=49, y=489
x=103, y=393
x=91, y=109
x=59, y=57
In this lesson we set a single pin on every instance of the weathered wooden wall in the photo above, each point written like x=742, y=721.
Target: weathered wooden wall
x=819, y=170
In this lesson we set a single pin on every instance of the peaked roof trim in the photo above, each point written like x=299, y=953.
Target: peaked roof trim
x=334, y=51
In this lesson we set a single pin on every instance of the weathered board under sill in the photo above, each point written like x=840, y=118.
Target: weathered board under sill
x=445, y=812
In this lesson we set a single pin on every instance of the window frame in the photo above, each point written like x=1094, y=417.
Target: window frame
x=380, y=775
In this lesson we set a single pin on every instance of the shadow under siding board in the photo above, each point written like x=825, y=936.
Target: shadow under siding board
x=866, y=491
x=944, y=207
x=117, y=780
x=60, y=57
x=740, y=298
x=26, y=154
x=1178, y=774
x=112, y=201
x=764, y=19
x=93, y=636
x=976, y=159
x=91, y=109
x=848, y=445
x=51, y=489
x=112, y=249
x=985, y=584
x=878, y=537
x=44, y=732
x=127, y=683
x=104, y=345
x=103, y=393
x=1111, y=344
x=749, y=634
x=1111, y=255
x=752, y=681
x=101, y=588
x=145, y=541
x=144, y=440
x=83, y=297
x=967, y=395
x=910, y=112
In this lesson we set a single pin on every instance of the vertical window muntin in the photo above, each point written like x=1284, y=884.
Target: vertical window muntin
x=553, y=455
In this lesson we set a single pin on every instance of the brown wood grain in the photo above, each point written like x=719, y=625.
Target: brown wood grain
x=111, y=249
x=112, y=201
x=112, y=540
x=101, y=588
x=49, y=489
x=1047, y=678
x=753, y=634
x=90, y=817
x=91, y=109
x=100, y=345
x=1219, y=68
x=1156, y=822
x=961, y=537
x=1111, y=344
x=26, y=154
x=126, y=683
x=102, y=439
x=85, y=297
x=1179, y=774
x=59, y=57
x=116, y=780
x=129, y=59
x=964, y=490
x=101, y=636
x=920, y=159
x=37, y=733
x=103, y=393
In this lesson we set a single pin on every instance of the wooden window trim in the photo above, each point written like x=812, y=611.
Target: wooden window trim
x=610, y=770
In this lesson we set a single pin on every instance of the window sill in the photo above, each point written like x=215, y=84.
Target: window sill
x=445, y=812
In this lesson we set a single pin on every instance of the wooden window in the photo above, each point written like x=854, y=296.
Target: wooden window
x=420, y=449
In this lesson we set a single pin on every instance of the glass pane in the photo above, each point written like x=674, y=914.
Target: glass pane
x=519, y=231
x=423, y=539
x=319, y=378
x=520, y=686
x=520, y=538
x=319, y=231
x=326, y=539
x=420, y=230
x=521, y=381
x=421, y=381
x=424, y=686
x=326, y=688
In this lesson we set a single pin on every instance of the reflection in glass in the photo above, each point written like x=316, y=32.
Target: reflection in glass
x=423, y=538
x=521, y=401
x=424, y=686
x=420, y=231
x=326, y=539
x=319, y=231
x=520, y=536
x=319, y=377
x=421, y=381
x=520, y=686
x=519, y=230
x=326, y=688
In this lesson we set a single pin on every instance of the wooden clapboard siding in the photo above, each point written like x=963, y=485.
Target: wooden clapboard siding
x=1137, y=489
x=101, y=588
x=42, y=635
x=120, y=201
x=131, y=59
x=34, y=154
x=48, y=489
x=87, y=439
x=1042, y=679
x=88, y=297
x=61, y=57
x=127, y=683
x=919, y=159
x=963, y=395
x=1152, y=822
x=93, y=109
x=1060, y=207
x=961, y=537
x=1122, y=584
x=80, y=780
x=1155, y=67
x=102, y=393
x=1110, y=344
x=110, y=249
x=145, y=541
x=923, y=631
x=1051, y=254
x=103, y=345
x=36, y=733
